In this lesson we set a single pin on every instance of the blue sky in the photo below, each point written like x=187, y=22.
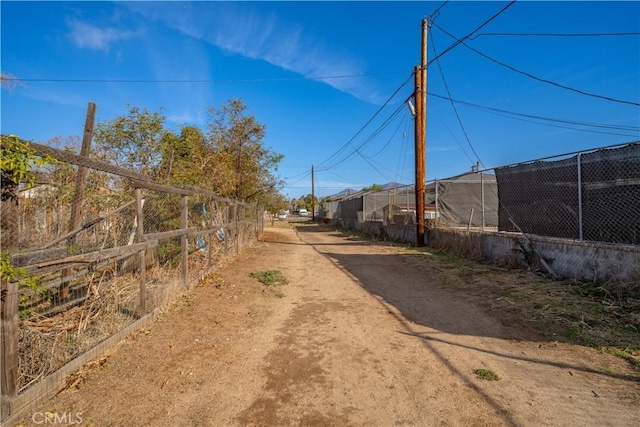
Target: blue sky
x=316, y=72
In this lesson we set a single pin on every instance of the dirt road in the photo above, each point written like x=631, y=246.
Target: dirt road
x=360, y=336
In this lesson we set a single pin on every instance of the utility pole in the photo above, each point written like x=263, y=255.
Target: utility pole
x=313, y=197
x=420, y=95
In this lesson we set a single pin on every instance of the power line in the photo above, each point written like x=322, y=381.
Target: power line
x=554, y=35
x=389, y=141
x=301, y=178
x=436, y=12
x=348, y=143
x=344, y=147
x=459, y=41
x=535, y=77
x=453, y=105
x=402, y=152
x=456, y=140
x=567, y=127
x=360, y=148
x=508, y=113
x=258, y=80
x=377, y=169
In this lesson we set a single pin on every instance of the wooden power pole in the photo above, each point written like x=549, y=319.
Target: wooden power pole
x=420, y=96
x=313, y=197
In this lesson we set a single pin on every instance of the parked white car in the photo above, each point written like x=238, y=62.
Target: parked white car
x=303, y=212
x=281, y=215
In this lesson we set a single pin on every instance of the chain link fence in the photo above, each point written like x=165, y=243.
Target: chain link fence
x=592, y=196
x=468, y=200
x=587, y=196
x=134, y=246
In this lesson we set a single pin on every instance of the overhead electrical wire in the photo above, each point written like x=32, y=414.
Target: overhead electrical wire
x=582, y=92
x=366, y=142
x=345, y=146
x=384, y=147
x=298, y=178
x=404, y=158
x=460, y=41
x=525, y=117
x=457, y=142
x=436, y=12
x=378, y=168
x=567, y=127
x=402, y=152
x=369, y=159
x=323, y=166
x=257, y=80
x=554, y=35
x=337, y=176
x=453, y=105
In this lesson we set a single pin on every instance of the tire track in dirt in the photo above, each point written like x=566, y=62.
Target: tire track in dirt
x=542, y=383
x=340, y=360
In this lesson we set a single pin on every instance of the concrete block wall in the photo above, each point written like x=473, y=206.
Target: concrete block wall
x=567, y=258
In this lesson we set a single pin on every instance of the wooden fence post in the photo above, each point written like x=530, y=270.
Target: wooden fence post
x=237, y=233
x=142, y=258
x=184, y=217
x=227, y=222
x=76, y=204
x=9, y=346
x=209, y=249
x=9, y=311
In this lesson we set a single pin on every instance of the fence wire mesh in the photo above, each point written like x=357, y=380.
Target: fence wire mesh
x=468, y=200
x=590, y=196
x=79, y=281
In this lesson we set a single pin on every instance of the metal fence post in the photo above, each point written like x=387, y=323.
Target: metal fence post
x=580, y=231
x=364, y=209
x=482, y=199
x=436, y=203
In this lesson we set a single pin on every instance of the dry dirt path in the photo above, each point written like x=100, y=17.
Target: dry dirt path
x=358, y=337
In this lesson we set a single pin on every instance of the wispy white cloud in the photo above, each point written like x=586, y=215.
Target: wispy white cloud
x=240, y=29
x=53, y=96
x=180, y=118
x=338, y=185
x=85, y=35
x=441, y=149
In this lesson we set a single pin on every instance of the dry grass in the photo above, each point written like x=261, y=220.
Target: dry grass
x=52, y=334
x=601, y=315
x=47, y=342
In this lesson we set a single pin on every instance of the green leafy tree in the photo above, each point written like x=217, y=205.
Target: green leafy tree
x=230, y=159
x=304, y=202
x=189, y=159
x=250, y=167
x=373, y=187
x=17, y=161
x=133, y=140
